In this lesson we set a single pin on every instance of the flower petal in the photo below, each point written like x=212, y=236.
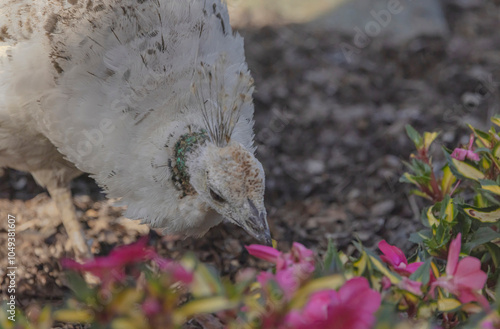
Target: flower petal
x=468, y=274
x=386, y=283
x=263, y=252
x=459, y=154
x=472, y=156
x=177, y=271
x=301, y=252
x=411, y=286
x=392, y=255
x=413, y=266
x=264, y=277
x=453, y=255
x=358, y=292
x=287, y=282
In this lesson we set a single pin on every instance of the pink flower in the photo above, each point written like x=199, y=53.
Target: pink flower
x=411, y=286
x=264, y=277
x=177, y=272
x=386, y=283
x=112, y=267
x=463, y=278
x=299, y=257
x=353, y=307
x=461, y=154
x=288, y=281
x=396, y=259
x=264, y=252
x=292, y=268
x=151, y=306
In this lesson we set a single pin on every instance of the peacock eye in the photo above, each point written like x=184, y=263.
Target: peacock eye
x=216, y=196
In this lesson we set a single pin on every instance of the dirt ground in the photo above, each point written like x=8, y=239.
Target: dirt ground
x=330, y=135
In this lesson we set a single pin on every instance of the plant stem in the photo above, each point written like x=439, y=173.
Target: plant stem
x=456, y=185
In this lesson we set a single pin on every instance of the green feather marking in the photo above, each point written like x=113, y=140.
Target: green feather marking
x=186, y=144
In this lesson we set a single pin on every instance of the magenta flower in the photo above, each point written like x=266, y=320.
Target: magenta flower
x=461, y=154
x=386, y=283
x=291, y=268
x=151, y=306
x=463, y=278
x=264, y=252
x=395, y=258
x=411, y=286
x=177, y=272
x=353, y=307
x=264, y=277
x=299, y=257
x=112, y=267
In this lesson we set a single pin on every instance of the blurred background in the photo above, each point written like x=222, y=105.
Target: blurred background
x=337, y=81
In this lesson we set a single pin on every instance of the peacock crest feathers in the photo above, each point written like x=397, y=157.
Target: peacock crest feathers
x=221, y=107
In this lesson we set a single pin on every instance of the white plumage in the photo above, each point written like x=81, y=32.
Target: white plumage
x=153, y=98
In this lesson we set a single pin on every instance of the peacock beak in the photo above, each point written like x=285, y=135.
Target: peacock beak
x=257, y=226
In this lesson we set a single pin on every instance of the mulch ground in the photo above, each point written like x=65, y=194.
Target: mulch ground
x=330, y=135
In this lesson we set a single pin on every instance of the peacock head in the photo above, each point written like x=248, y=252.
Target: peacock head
x=231, y=181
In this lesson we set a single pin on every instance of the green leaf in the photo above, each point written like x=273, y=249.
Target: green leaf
x=379, y=265
x=482, y=149
x=74, y=316
x=494, y=251
x=462, y=169
x=496, y=119
x=361, y=264
x=421, y=236
x=204, y=305
x=408, y=178
x=420, y=194
x=206, y=280
x=464, y=224
x=447, y=211
x=484, y=215
x=486, y=199
x=81, y=291
x=483, y=136
x=448, y=304
x=490, y=186
x=429, y=138
x=448, y=179
x=45, y=320
x=332, y=262
x=414, y=136
x=422, y=274
x=421, y=173
x=496, y=151
x=327, y=282
x=481, y=236
x=432, y=221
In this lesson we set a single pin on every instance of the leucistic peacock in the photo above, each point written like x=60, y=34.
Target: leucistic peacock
x=153, y=98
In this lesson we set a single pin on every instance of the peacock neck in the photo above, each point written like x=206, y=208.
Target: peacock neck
x=186, y=145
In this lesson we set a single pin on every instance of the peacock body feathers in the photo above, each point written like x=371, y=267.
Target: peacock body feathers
x=115, y=86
